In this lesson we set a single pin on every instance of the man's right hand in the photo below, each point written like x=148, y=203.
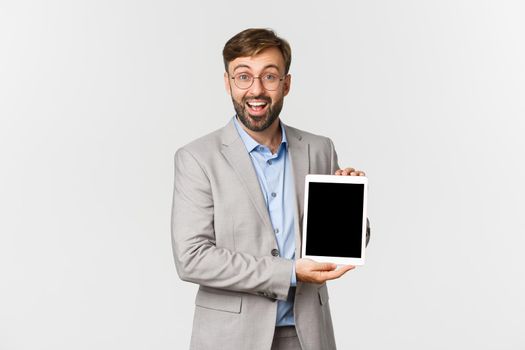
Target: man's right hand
x=310, y=271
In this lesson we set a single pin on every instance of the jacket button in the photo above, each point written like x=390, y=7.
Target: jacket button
x=275, y=252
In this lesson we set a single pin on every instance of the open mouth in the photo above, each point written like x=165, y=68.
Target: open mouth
x=257, y=107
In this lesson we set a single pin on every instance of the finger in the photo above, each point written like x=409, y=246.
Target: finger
x=347, y=171
x=357, y=173
x=345, y=268
x=338, y=172
x=331, y=275
x=324, y=267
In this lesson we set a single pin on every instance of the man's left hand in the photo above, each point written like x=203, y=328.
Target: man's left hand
x=349, y=172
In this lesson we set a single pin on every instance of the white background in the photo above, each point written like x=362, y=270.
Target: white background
x=96, y=96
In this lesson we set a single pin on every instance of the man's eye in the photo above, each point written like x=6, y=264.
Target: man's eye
x=270, y=77
x=243, y=77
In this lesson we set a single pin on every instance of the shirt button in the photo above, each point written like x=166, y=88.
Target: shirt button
x=274, y=194
x=270, y=162
x=275, y=252
x=276, y=230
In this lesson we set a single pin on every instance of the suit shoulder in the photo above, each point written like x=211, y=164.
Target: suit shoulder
x=308, y=136
x=203, y=145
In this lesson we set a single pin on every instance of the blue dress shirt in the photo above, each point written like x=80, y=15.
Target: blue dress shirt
x=277, y=185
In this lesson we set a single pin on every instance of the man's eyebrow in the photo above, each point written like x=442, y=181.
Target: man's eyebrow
x=247, y=66
x=241, y=66
x=271, y=66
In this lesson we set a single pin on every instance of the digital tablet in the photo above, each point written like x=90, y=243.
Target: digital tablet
x=334, y=226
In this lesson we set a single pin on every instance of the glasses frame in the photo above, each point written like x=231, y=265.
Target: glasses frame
x=253, y=80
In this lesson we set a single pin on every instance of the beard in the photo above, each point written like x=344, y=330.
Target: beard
x=258, y=123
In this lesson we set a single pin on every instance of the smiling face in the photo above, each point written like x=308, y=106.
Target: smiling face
x=257, y=107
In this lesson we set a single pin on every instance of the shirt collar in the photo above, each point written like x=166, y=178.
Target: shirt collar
x=249, y=142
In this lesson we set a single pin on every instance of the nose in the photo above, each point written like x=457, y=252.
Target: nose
x=257, y=87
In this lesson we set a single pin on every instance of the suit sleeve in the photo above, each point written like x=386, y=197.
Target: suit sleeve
x=334, y=165
x=198, y=259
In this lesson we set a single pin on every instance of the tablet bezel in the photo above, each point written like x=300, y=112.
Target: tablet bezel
x=335, y=179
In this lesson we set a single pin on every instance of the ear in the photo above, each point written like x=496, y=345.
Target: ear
x=227, y=83
x=287, y=83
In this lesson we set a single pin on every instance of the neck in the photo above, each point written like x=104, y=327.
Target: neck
x=270, y=137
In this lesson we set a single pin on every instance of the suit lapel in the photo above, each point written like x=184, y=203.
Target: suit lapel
x=235, y=153
x=299, y=151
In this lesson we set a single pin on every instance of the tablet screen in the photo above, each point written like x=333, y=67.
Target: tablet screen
x=335, y=219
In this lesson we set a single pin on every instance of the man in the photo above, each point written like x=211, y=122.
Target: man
x=237, y=213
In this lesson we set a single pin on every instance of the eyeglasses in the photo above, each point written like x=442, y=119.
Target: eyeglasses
x=269, y=81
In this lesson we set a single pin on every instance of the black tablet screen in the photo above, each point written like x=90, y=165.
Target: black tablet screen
x=335, y=219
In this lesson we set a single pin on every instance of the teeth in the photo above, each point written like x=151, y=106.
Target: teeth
x=257, y=104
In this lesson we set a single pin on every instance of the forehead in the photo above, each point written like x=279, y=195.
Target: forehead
x=267, y=58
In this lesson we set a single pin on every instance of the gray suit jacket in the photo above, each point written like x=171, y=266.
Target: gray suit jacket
x=223, y=240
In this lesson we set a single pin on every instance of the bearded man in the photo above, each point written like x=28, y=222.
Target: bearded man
x=238, y=208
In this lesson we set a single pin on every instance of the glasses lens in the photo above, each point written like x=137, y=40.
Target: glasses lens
x=270, y=81
x=243, y=80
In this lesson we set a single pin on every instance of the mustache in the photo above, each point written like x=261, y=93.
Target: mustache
x=260, y=97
